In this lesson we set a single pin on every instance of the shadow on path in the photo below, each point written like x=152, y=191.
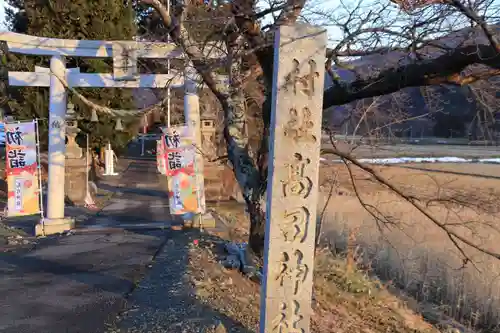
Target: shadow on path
x=164, y=301
x=71, y=283
x=133, y=190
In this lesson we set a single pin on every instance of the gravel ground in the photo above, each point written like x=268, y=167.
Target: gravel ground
x=165, y=301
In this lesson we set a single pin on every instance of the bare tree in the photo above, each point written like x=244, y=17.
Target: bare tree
x=485, y=96
x=376, y=50
x=448, y=43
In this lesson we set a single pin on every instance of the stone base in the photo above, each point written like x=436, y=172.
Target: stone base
x=220, y=183
x=187, y=224
x=207, y=221
x=75, y=186
x=54, y=226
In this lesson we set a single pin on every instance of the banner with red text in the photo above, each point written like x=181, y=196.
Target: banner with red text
x=21, y=168
x=160, y=156
x=180, y=170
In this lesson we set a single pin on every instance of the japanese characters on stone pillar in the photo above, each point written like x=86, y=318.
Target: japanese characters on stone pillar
x=125, y=60
x=293, y=178
x=192, y=116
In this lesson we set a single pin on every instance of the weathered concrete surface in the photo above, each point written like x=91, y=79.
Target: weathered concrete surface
x=77, y=283
x=292, y=193
x=140, y=198
x=165, y=300
x=220, y=183
x=74, y=284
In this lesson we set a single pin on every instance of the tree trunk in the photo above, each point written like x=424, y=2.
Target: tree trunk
x=257, y=210
x=246, y=172
x=257, y=229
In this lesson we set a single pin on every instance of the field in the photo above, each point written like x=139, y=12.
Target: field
x=417, y=150
x=399, y=244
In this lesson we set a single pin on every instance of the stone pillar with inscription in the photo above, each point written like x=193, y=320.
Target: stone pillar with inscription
x=293, y=178
x=192, y=116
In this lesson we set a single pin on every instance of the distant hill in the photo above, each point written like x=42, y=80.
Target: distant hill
x=453, y=106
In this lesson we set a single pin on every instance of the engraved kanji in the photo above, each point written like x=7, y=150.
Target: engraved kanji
x=293, y=269
x=289, y=318
x=297, y=184
x=307, y=81
x=300, y=125
x=296, y=224
x=125, y=59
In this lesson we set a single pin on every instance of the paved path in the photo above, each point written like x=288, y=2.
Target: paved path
x=140, y=200
x=77, y=283
x=164, y=301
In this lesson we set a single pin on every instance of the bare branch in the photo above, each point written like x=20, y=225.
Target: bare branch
x=379, y=178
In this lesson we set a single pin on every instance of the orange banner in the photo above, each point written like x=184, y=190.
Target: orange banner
x=160, y=156
x=22, y=169
x=180, y=169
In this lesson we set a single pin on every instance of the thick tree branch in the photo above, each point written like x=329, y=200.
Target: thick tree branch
x=291, y=12
x=233, y=104
x=444, y=69
x=473, y=16
x=180, y=36
x=243, y=12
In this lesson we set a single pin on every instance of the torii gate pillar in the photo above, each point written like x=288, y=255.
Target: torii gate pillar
x=55, y=221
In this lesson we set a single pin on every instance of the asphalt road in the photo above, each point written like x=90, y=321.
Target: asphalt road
x=140, y=202
x=78, y=283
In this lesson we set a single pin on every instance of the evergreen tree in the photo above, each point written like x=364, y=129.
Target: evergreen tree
x=76, y=19
x=4, y=96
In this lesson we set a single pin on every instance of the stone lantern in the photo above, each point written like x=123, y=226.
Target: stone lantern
x=72, y=130
x=208, y=135
x=77, y=165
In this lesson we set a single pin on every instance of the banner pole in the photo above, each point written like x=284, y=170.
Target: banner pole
x=39, y=169
x=87, y=165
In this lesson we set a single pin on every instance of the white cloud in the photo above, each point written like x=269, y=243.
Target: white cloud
x=3, y=5
x=2, y=14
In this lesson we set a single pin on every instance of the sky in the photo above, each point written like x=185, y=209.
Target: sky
x=2, y=14
x=325, y=4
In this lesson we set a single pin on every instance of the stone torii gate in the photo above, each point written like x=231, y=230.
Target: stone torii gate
x=125, y=75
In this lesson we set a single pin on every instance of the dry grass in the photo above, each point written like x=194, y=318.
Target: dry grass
x=411, y=251
x=346, y=300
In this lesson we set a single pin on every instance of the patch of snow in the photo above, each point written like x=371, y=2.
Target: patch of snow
x=408, y=160
x=489, y=160
x=403, y=160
